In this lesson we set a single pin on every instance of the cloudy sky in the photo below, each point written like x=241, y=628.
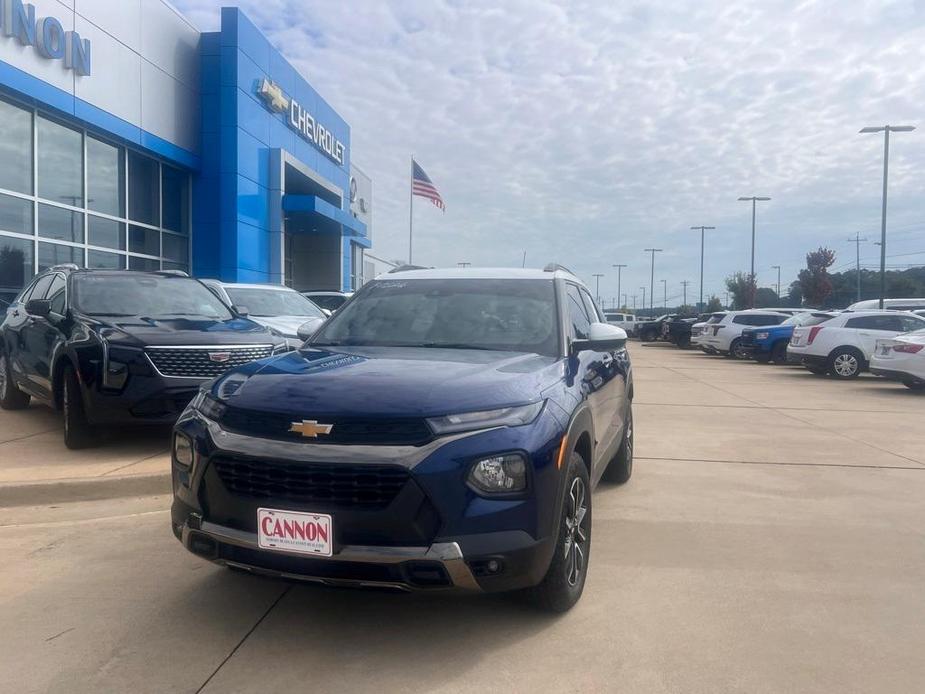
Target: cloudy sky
x=584, y=132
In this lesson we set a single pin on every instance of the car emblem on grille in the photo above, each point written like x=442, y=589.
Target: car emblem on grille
x=219, y=357
x=310, y=429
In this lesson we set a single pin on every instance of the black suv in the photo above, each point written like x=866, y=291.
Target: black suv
x=109, y=347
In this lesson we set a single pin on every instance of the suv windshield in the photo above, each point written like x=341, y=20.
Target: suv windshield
x=331, y=302
x=273, y=302
x=498, y=314
x=152, y=296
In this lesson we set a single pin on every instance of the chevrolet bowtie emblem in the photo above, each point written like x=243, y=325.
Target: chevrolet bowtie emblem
x=273, y=96
x=310, y=429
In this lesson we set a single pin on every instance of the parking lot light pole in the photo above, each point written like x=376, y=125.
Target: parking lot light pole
x=597, y=289
x=643, y=298
x=777, y=267
x=665, y=295
x=653, y=251
x=702, y=229
x=684, y=284
x=886, y=130
x=751, y=294
x=634, y=303
x=857, y=242
x=619, y=277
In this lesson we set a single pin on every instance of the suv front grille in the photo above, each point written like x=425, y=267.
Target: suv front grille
x=391, y=431
x=366, y=486
x=203, y=362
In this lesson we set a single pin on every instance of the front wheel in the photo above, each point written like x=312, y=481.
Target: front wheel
x=564, y=581
x=11, y=397
x=684, y=341
x=78, y=433
x=735, y=349
x=779, y=352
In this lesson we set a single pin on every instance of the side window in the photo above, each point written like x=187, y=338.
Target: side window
x=859, y=323
x=593, y=312
x=577, y=313
x=26, y=293
x=910, y=324
x=891, y=323
x=56, y=294
x=770, y=320
x=743, y=320
x=41, y=286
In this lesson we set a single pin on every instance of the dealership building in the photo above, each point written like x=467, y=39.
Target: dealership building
x=129, y=139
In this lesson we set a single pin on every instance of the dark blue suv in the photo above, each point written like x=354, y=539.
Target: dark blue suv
x=444, y=429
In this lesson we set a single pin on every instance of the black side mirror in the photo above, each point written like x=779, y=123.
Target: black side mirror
x=309, y=328
x=241, y=310
x=39, y=308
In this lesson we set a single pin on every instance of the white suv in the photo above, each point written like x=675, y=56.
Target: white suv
x=723, y=332
x=844, y=345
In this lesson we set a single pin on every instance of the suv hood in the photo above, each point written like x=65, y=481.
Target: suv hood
x=140, y=331
x=405, y=381
x=285, y=325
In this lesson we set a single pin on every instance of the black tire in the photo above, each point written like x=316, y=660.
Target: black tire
x=779, y=352
x=845, y=363
x=11, y=397
x=817, y=370
x=78, y=433
x=735, y=349
x=564, y=581
x=620, y=468
x=914, y=385
x=762, y=358
x=684, y=341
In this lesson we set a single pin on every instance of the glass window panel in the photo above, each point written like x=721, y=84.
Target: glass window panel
x=105, y=178
x=59, y=223
x=55, y=254
x=176, y=247
x=60, y=161
x=55, y=294
x=101, y=260
x=175, y=199
x=143, y=189
x=141, y=240
x=16, y=261
x=15, y=148
x=106, y=232
x=183, y=267
x=15, y=213
x=145, y=264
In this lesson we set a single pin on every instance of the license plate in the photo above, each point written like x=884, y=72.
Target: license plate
x=295, y=531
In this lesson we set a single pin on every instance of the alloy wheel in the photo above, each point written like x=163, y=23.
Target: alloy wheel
x=576, y=534
x=845, y=365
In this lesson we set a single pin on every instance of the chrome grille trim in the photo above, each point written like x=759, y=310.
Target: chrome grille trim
x=192, y=361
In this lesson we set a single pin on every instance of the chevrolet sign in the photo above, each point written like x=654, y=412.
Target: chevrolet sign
x=300, y=120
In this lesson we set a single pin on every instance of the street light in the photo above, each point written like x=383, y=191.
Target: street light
x=619, y=278
x=777, y=267
x=644, y=298
x=702, y=229
x=857, y=241
x=665, y=295
x=751, y=293
x=886, y=130
x=684, y=284
x=653, y=251
x=634, y=303
x=597, y=290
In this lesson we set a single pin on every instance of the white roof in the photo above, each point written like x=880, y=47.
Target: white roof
x=478, y=273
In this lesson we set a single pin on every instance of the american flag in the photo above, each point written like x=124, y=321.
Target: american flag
x=423, y=186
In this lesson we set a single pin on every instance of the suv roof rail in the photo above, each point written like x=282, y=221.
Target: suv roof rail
x=552, y=267
x=403, y=268
x=172, y=273
x=65, y=266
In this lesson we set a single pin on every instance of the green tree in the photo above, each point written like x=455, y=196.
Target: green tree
x=714, y=305
x=765, y=296
x=742, y=290
x=814, y=279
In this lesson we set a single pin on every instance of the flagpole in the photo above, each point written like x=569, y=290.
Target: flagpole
x=411, y=210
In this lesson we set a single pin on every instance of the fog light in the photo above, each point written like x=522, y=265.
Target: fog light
x=499, y=474
x=115, y=375
x=182, y=450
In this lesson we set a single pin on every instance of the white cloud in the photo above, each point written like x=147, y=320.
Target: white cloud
x=586, y=131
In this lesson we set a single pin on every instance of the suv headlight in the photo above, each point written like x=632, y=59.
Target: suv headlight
x=762, y=336
x=502, y=417
x=499, y=474
x=207, y=406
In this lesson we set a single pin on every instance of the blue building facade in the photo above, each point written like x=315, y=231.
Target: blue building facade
x=129, y=139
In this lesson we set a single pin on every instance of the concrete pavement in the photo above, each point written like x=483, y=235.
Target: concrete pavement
x=770, y=540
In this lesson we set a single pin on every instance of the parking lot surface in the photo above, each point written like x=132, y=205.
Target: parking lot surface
x=770, y=540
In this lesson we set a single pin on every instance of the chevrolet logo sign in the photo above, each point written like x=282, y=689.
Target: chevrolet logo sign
x=310, y=429
x=271, y=93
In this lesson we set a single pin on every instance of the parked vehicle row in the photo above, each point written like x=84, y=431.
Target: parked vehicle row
x=888, y=342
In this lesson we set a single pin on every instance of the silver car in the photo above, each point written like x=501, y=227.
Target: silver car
x=284, y=311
